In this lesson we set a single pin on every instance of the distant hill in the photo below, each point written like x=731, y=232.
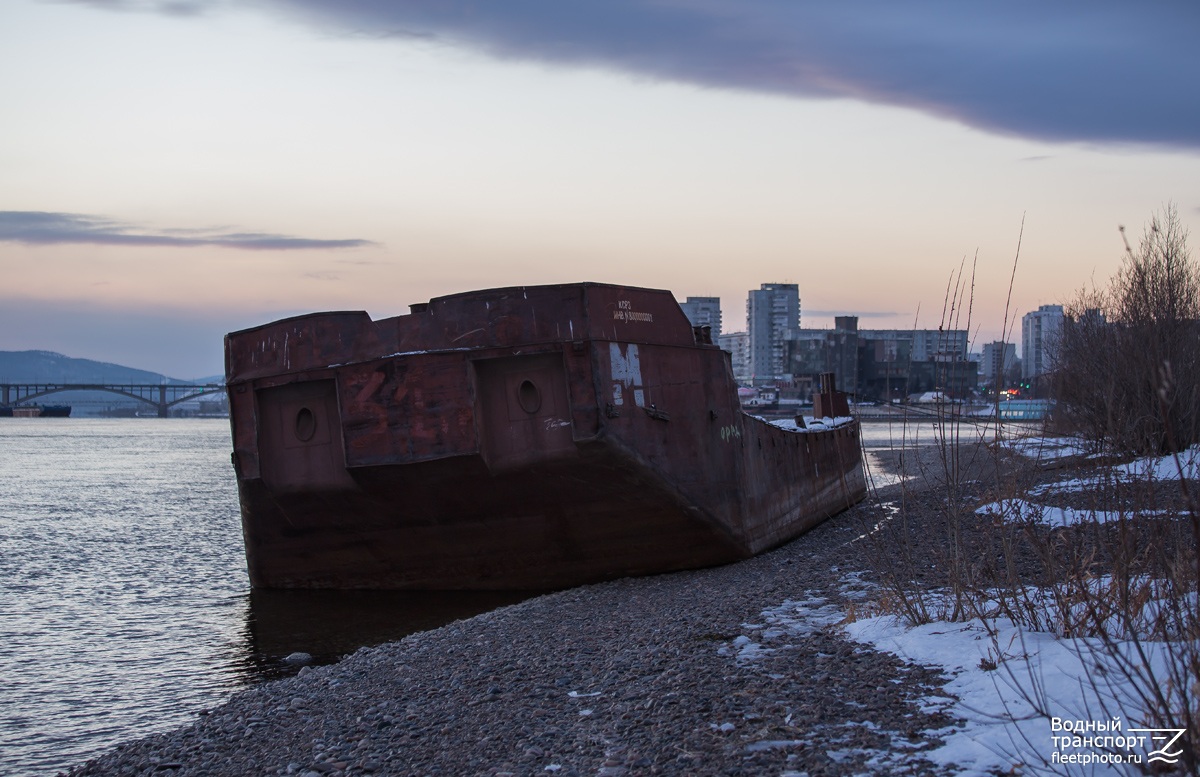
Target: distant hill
x=50, y=367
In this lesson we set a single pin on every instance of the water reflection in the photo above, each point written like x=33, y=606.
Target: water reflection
x=901, y=433
x=329, y=625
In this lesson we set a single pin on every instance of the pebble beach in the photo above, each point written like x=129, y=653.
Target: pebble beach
x=734, y=670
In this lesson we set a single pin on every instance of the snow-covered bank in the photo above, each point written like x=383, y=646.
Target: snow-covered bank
x=1036, y=505
x=1029, y=699
x=1040, y=700
x=1021, y=701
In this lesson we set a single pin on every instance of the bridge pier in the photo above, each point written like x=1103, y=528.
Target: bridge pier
x=163, y=407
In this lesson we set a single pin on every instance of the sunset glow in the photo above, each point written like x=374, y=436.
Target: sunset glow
x=174, y=171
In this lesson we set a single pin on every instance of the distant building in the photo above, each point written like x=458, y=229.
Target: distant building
x=704, y=311
x=997, y=362
x=894, y=363
x=1039, y=340
x=772, y=318
x=925, y=345
x=738, y=346
x=1092, y=317
x=815, y=351
x=883, y=364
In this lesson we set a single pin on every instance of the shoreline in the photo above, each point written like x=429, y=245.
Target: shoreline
x=741, y=668
x=672, y=674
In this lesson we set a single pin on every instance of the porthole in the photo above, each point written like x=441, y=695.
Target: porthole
x=306, y=424
x=528, y=397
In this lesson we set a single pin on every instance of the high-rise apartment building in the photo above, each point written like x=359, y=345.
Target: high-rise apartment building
x=704, y=311
x=738, y=345
x=1039, y=339
x=772, y=318
x=998, y=360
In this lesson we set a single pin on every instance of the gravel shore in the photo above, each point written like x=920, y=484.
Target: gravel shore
x=735, y=670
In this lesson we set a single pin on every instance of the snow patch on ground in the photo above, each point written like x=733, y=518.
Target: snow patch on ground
x=1047, y=448
x=788, y=624
x=1005, y=686
x=1164, y=467
x=1150, y=468
x=1009, y=684
x=801, y=618
x=1020, y=510
x=790, y=619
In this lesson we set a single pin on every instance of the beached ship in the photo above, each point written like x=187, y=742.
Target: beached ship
x=519, y=438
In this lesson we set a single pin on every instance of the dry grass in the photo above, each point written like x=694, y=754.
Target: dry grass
x=1127, y=576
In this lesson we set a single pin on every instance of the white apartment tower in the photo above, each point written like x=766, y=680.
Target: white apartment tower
x=704, y=311
x=738, y=346
x=772, y=318
x=1039, y=338
x=998, y=358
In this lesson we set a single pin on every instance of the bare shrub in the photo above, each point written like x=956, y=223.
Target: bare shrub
x=1128, y=361
x=1122, y=581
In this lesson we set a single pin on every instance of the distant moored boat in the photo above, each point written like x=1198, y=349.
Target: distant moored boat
x=35, y=411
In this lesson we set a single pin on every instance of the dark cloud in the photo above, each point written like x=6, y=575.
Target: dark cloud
x=41, y=228
x=165, y=7
x=1096, y=71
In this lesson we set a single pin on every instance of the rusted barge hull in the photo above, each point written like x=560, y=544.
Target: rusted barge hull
x=521, y=438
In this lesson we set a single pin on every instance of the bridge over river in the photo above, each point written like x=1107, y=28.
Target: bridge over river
x=161, y=396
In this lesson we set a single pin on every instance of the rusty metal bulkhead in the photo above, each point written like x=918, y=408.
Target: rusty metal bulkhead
x=300, y=438
x=523, y=412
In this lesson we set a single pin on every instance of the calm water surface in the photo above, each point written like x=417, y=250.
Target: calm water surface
x=124, y=602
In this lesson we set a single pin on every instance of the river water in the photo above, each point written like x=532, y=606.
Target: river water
x=124, y=602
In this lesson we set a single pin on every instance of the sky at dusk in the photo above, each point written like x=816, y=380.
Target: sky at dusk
x=173, y=170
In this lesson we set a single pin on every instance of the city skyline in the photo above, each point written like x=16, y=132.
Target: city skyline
x=173, y=171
